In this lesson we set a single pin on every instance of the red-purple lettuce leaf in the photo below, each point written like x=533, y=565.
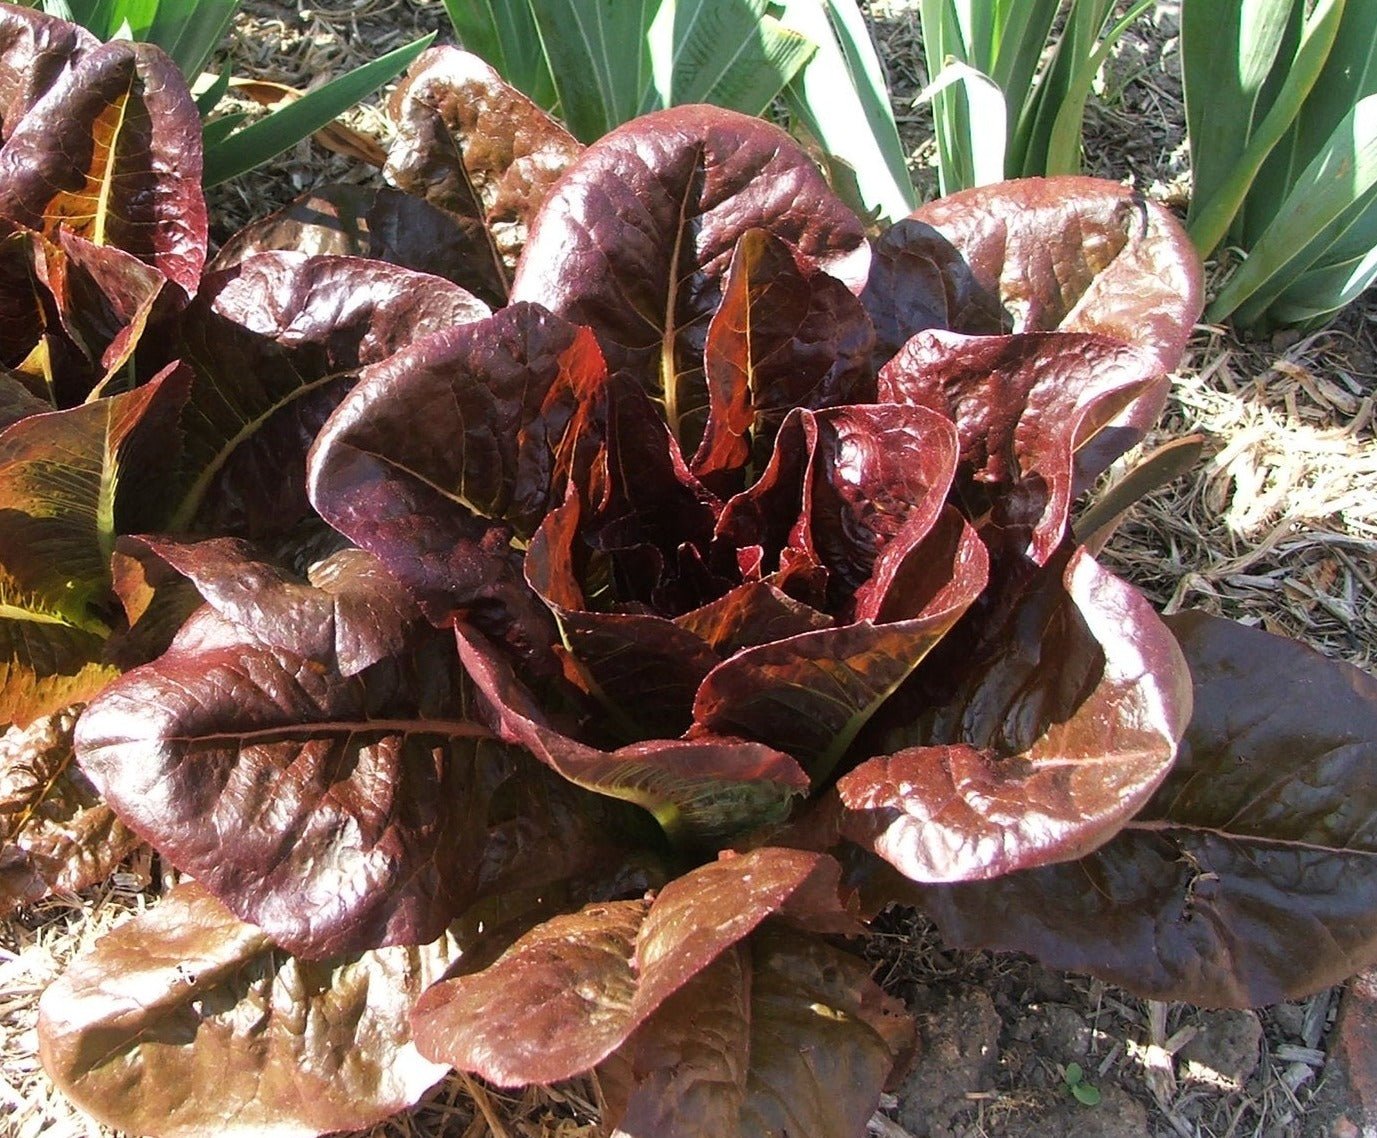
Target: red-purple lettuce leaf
x=750, y=614
x=1063, y=722
x=45, y=662
x=106, y=299
x=702, y=790
x=156, y=601
x=445, y=453
x=846, y=489
x=112, y=153
x=349, y=613
x=55, y=832
x=275, y=344
x=813, y=693
x=26, y=307
x=185, y=1022
x=337, y=812
x=35, y=50
x=919, y=280
x=644, y=527
x=633, y=511
x=1251, y=875
x=71, y=312
x=568, y=993
x=643, y=668
x=1025, y=407
x=782, y=337
x=635, y=239
x=377, y=222
x=1077, y=254
x=475, y=146
x=17, y=401
x=781, y=1034
x=62, y=474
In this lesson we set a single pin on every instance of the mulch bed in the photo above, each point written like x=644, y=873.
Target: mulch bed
x=1276, y=527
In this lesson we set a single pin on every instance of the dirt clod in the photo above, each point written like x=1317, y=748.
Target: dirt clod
x=958, y=1056
x=1117, y=1115
x=1225, y=1049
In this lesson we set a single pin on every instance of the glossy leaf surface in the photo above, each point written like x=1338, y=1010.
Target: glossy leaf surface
x=476, y=147
x=781, y=338
x=1258, y=841
x=1065, y=722
x=35, y=51
x=379, y=223
x=340, y=800
x=702, y=789
x=1078, y=255
x=813, y=693
x=55, y=832
x=802, y=1041
x=71, y=312
x=572, y=990
x=919, y=280
x=275, y=344
x=494, y=401
x=112, y=153
x=185, y=1021
x=1028, y=409
x=671, y=193
x=349, y=613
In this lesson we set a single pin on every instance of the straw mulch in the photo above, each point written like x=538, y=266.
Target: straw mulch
x=1277, y=527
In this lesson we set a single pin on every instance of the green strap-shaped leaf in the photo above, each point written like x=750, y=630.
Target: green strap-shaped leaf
x=1339, y=276
x=283, y=128
x=1063, y=155
x=841, y=100
x=1227, y=53
x=503, y=32
x=1344, y=171
x=733, y=55
x=1210, y=222
x=599, y=57
x=189, y=32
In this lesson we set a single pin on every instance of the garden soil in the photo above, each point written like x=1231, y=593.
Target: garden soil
x=1277, y=527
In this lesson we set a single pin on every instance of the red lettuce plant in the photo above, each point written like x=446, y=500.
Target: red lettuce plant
x=711, y=594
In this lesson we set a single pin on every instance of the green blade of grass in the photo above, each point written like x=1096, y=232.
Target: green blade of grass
x=1349, y=73
x=1076, y=45
x=1024, y=29
x=284, y=128
x=1322, y=277
x=217, y=130
x=985, y=148
x=210, y=98
x=189, y=30
x=944, y=43
x=599, y=60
